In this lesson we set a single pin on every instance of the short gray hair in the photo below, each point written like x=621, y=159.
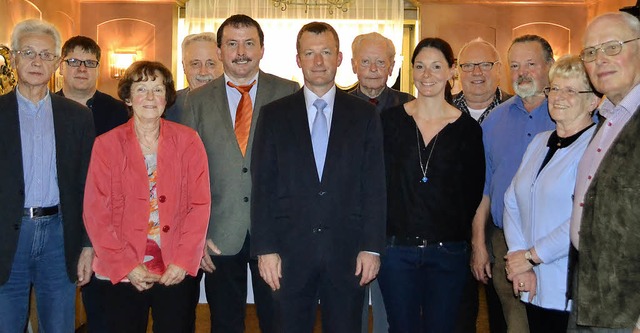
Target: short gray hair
x=201, y=37
x=479, y=40
x=34, y=26
x=374, y=36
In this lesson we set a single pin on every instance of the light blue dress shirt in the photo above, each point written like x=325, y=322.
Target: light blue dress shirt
x=506, y=133
x=37, y=135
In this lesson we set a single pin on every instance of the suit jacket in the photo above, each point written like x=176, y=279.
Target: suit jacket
x=608, y=285
x=174, y=112
x=207, y=111
x=74, y=133
x=297, y=216
x=108, y=112
x=117, y=199
x=388, y=98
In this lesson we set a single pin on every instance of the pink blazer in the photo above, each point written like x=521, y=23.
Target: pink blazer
x=116, y=199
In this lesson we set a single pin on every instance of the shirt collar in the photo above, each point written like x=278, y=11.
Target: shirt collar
x=629, y=104
x=310, y=97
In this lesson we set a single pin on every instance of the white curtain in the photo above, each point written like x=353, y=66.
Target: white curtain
x=281, y=28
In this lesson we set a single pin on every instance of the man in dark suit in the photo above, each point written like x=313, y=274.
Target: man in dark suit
x=216, y=111
x=45, y=153
x=201, y=66
x=79, y=66
x=318, y=227
x=373, y=61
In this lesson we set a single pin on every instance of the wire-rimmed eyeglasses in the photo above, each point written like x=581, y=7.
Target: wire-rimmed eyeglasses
x=484, y=66
x=609, y=48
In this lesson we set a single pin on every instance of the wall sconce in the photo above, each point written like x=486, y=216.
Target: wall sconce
x=119, y=62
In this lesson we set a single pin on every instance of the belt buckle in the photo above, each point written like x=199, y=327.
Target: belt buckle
x=30, y=212
x=424, y=243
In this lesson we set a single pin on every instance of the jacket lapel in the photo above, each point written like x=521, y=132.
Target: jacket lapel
x=340, y=124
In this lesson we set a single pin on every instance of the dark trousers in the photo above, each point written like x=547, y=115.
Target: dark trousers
x=497, y=323
x=226, y=290
x=468, y=311
x=304, y=282
x=422, y=286
x=93, y=294
x=127, y=309
x=543, y=320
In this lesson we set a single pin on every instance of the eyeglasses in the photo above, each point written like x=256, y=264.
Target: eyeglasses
x=484, y=66
x=157, y=91
x=73, y=62
x=31, y=54
x=568, y=92
x=609, y=48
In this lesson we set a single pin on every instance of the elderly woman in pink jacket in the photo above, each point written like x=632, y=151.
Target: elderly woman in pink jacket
x=146, y=208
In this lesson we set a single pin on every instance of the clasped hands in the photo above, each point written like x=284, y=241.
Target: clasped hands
x=142, y=279
x=270, y=265
x=520, y=272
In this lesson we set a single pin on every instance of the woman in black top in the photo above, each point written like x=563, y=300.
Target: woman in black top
x=435, y=176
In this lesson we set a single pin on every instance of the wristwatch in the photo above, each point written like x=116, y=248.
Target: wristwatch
x=529, y=257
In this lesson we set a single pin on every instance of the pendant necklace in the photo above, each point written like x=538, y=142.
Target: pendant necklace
x=424, y=167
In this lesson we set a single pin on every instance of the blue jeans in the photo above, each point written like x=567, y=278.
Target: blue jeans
x=422, y=286
x=39, y=261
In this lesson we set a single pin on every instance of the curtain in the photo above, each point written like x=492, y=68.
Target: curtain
x=281, y=28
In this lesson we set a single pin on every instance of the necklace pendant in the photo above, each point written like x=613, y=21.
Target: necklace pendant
x=424, y=179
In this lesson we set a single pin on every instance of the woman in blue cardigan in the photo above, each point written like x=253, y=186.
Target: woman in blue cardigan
x=538, y=202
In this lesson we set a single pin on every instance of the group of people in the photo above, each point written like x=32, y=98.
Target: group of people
x=342, y=198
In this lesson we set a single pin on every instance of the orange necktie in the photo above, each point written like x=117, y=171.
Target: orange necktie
x=244, y=114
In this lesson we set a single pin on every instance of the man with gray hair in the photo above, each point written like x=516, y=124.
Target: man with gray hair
x=201, y=65
x=506, y=133
x=373, y=61
x=604, y=224
x=45, y=152
x=479, y=69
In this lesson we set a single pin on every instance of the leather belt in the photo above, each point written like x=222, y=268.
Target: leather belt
x=410, y=241
x=32, y=212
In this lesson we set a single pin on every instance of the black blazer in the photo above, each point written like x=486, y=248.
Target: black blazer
x=74, y=133
x=295, y=215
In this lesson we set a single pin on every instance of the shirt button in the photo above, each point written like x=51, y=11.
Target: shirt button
x=528, y=134
x=530, y=117
x=582, y=204
x=244, y=170
x=166, y=228
x=598, y=150
x=162, y=198
x=610, y=124
x=589, y=177
x=321, y=193
x=245, y=199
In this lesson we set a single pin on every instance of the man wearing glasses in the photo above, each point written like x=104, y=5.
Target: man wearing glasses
x=605, y=225
x=506, y=133
x=373, y=61
x=79, y=69
x=45, y=153
x=479, y=69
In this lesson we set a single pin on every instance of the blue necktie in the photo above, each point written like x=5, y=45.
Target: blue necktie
x=320, y=136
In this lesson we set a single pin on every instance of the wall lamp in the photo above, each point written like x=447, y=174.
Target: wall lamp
x=119, y=62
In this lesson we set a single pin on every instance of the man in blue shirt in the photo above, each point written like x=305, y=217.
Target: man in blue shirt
x=506, y=134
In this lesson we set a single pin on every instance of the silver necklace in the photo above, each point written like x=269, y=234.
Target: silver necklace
x=424, y=168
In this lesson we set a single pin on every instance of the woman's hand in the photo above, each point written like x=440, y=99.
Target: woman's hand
x=516, y=264
x=173, y=275
x=141, y=278
x=525, y=282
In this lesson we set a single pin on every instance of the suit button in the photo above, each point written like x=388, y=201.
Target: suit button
x=321, y=193
x=166, y=228
x=16, y=226
x=21, y=192
x=244, y=170
x=245, y=199
x=162, y=198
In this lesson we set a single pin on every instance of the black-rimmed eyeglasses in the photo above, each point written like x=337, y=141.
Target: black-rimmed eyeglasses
x=609, y=48
x=73, y=62
x=484, y=66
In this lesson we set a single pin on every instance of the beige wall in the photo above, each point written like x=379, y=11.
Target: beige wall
x=147, y=28
x=561, y=24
